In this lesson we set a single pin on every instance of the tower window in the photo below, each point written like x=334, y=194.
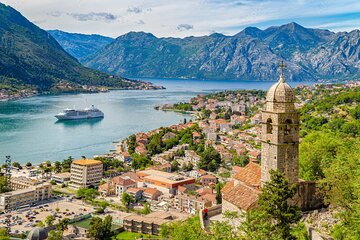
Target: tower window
x=287, y=127
x=269, y=126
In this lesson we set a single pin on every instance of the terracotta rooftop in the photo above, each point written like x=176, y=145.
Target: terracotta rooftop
x=241, y=195
x=151, y=191
x=209, y=176
x=87, y=162
x=250, y=174
x=119, y=180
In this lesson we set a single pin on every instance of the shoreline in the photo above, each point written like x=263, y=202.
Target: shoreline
x=15, y=98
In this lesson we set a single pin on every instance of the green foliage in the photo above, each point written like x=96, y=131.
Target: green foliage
x=87, y=193
x=49, y=220
x=16, y=165
x=241, y=160
x=218, y=193
x=183, y=107
x=57, y=167
x=35, y=59
x=110, y=163
x=275, y=216
x=63, y=224
x=55, y=235
x=100, y=229
x=140, y=161
x=4, y=235
x=131, y=143
x=3, y=184
x=28, y=164
x=66, y=164
x=127, y=199
x=146, y=209
x=175, y=166
x=210, y=159
x=186, y=230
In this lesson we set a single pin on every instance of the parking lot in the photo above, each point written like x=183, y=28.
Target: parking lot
x=25, y=219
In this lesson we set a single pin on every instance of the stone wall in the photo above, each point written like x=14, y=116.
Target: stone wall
x=308, y=198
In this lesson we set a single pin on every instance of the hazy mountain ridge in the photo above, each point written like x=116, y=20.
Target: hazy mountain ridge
x=252, y=54
x=80, y=45
x=31, y=57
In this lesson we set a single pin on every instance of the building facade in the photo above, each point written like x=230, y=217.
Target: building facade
x=85, y=173
x=280, y=133
x=25, y=197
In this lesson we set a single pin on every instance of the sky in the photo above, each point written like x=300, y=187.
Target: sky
x=181, y=18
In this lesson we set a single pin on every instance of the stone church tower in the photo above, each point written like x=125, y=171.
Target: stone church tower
x=280, y=133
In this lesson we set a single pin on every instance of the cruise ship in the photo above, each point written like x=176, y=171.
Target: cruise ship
x=75, y=114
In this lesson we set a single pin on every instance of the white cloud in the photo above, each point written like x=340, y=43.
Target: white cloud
x=184, y=27
x=166, y=18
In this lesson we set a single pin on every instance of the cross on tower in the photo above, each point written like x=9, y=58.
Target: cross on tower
x=282, y=65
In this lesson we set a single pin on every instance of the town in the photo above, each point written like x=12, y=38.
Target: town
x=154, y=178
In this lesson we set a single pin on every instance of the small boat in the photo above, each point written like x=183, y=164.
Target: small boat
x=76, y=114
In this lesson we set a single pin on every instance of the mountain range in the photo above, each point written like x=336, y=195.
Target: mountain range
x=31, y=58
x=80, y=45
x=252, y=54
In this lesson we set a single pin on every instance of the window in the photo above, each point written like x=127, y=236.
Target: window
x=288, y=123
x=269, y=126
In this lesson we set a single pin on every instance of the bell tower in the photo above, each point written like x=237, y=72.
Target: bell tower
x=280, y=132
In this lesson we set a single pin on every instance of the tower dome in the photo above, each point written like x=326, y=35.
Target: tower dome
x=280, y=97
x=37, y=234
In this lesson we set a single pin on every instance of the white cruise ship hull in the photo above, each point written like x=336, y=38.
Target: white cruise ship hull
x=71, y=114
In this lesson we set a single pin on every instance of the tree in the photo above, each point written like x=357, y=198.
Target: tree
x=16, y=165
x=218, y=193
x=28, y=164
x=140, y=161
x=3, y=184
x=146, y=209
x=180, y=230
x=66, y=164
x=63, y=224
x=4, y=235
x=49, y=220
x=175, y=166
x=55, y=235
x=127, y=199
x=275, y=216
x=57, y=167
x=210, y=158
x=40, y=224
x=87, y=193
x=100, y=229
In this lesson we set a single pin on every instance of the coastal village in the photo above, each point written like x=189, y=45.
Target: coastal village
x=210, y=162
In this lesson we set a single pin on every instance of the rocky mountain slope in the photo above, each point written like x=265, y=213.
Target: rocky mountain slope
x=252, y=54
x=30, y=58
x=80, y=45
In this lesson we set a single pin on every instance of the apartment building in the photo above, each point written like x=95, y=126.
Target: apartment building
x=191, y=204
x=25, y=197
x=22, y=182
x=85, y=173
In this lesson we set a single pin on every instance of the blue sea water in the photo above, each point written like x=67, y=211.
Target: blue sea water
x=29, y=131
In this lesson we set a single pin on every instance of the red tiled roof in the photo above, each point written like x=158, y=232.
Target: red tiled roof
x=134, y=190
x=236, y=168
x=182, y=189
x=242, y=196
x=228, y=186
x=151, y=191
x=204, y=191
x=210, y=197
x=131, y=175
x=118, y=180
x=208, y=176
x=250, y=174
